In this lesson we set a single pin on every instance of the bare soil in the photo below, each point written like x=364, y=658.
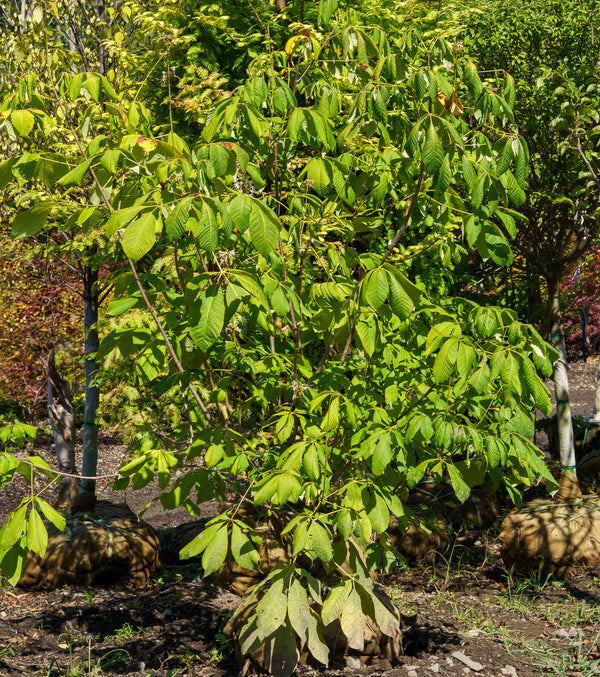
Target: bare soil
x=462, y=615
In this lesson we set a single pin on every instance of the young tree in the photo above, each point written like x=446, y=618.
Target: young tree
x=273, y=255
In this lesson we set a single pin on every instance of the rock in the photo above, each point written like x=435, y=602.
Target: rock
x=471, y=664
x=509, y=671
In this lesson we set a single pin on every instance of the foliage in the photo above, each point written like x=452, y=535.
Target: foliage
x=283, y=258
x=549, y=49
x=581, y=294
x=36, y=311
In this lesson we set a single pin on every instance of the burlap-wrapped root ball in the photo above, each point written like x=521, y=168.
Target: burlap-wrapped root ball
x=558, y=536
x=108, y=547
x=442, y=515
x=273, y=549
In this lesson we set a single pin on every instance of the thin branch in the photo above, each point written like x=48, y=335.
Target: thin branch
x=140, y=287
x=407, y=215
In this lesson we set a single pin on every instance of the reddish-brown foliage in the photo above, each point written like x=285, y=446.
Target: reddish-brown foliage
x=39, y=306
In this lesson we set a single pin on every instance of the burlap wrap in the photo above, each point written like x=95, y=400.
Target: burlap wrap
x=107, y=547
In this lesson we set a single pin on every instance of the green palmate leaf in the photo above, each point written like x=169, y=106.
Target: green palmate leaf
x=204, y=539
x=508, y=221
x=266, y=489
x=486, y=322
x=13, y=528
x=110, y=160
x=6, y=172
x=480, y=378
x=215, y=551
x=211, y=309
x=295, y=123
x=379, y=515
x=251, y=285
x=319, y=541
x=264, y=228
x=472, y=80
x=208, y=227
x=271, y=611
x=280, y=652
x=52, y=515
x=310, y=462
x=353, y=622
x=316, y=642
x=284, y=426
x=242, y=549
x=240, y=209
x=165, y=462
x=298, y=610
x=404, y=296
x=515, y=193
x=326, y=10
x=536, y=387
x=496, y=244
x=335, y=602
x=175, y=223
x=92, y=84
x=443, y=366
x=37, y=536
x=469, y=172
x=382, y=453
x=140, y=236
x=331, y=420
x=465, y=358
x=30, y=222
x=374, y=288
x=366, y=331
x=22, y=121
x=433, y=150
x=505, y=156
x=510, y=374
x=300, y=538
x=478, y=190
x=460, y=487
x=75, y=176
x=121, y=218
x=320, y=174
x=219, y=159
x=289, y=488
x=344, y=523
x=386, y=615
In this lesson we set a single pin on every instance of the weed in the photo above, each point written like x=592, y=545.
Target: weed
x=111, y=659
x=126, y=631
x=7, y=650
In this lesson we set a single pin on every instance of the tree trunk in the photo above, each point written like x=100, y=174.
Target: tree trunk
x=62, y=422
x=92, y=393
x=566, y=442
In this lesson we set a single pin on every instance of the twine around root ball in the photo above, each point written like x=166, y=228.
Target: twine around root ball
x=557, y=536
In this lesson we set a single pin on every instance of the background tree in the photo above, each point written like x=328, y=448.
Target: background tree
x=550, y=50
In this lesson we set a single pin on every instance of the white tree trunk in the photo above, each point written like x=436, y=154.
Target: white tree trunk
x=566, y=440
